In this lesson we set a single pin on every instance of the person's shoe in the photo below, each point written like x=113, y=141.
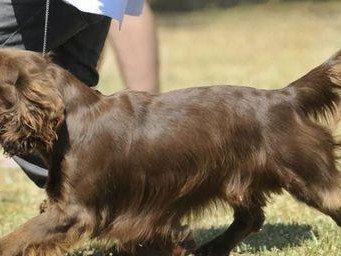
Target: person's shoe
x=34, y=169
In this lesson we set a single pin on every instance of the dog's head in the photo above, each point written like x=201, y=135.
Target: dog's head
x=31, y=107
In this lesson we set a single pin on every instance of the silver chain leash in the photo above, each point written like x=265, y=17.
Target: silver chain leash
x=47, y=11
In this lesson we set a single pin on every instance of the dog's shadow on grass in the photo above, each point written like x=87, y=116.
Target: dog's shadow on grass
x=271, y=236
x=280, y=236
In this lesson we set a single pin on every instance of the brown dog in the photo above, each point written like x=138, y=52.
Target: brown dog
x=131, y=165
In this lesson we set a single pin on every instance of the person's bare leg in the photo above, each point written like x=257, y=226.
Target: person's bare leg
x=136, y=48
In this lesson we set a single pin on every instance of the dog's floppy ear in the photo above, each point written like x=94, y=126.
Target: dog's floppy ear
x=36, y=108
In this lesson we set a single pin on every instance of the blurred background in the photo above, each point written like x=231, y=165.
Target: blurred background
x=251, y=42
x=259, y=43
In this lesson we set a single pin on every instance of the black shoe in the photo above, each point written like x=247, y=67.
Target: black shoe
x=34, y=168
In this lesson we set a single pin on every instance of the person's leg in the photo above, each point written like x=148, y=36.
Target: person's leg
x=75, y=38
x=136, y=49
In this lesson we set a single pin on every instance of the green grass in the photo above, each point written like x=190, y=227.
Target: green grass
x=264, y=46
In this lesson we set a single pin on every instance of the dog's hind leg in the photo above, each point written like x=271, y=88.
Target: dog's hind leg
x=315, y=181
x=247, y=219
x=51, y=233
x=325, y=197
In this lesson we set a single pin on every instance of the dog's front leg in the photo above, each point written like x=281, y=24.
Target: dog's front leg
x=51, y=233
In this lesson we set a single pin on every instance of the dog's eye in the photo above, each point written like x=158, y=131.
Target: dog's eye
x=8, y=82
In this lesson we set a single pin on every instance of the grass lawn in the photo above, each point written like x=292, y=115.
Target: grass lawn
x=265, y=46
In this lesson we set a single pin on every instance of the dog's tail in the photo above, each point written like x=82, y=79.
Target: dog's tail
x=318, y=93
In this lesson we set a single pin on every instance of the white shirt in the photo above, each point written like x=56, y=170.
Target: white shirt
x=115, y=9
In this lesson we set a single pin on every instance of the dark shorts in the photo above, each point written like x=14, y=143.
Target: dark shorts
x=75, y=38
